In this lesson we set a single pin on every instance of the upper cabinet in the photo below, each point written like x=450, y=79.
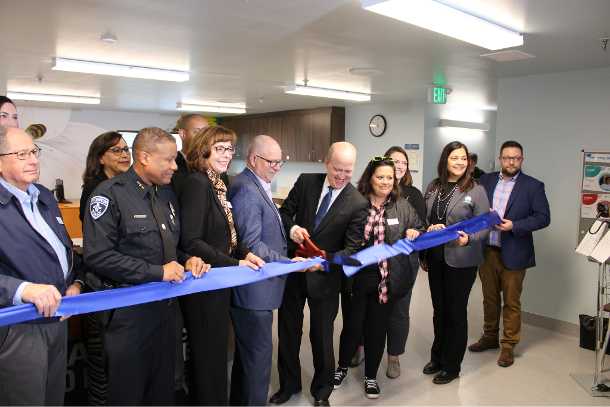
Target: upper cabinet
x=304, y=135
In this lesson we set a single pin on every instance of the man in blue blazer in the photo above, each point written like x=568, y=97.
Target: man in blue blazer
x=259, y=227
x=521, y=202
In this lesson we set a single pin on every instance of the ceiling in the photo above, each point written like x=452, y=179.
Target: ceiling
x=248, y=50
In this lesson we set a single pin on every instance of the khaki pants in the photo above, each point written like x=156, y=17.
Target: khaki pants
x=498, y=280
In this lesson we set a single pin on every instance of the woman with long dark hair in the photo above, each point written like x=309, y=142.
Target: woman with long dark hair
x=108, y=156
x=452, y=268
x=376, y=288
x=398, y=326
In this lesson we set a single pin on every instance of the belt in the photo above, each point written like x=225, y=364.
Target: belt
x=494, y=248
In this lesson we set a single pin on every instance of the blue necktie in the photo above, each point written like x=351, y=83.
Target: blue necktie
x=324, y=205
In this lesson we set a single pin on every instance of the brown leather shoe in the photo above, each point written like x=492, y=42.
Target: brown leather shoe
x=484, y=344
x=506, y=358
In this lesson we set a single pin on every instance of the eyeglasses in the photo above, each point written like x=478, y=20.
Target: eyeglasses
x=382, y=158
x=272, y=163
x=5, y=115
x=119, y=150
x=223, y=149
x=508, y=159
x=24, y=154
x=404, y=163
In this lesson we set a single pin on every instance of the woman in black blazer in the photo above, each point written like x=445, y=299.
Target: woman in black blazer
x=208, y=231
x=398, y=328
x=376, y=288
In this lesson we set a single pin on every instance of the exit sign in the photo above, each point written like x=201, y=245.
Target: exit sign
x=439, y=95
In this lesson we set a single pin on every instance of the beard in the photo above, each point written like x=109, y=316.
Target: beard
x=510, y=172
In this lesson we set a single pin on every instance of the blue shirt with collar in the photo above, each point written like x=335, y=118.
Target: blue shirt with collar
x=29, y=205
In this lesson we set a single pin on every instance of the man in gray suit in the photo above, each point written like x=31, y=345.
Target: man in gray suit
x=259, y=226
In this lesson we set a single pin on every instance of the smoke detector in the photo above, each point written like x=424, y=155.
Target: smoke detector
x=108, y=37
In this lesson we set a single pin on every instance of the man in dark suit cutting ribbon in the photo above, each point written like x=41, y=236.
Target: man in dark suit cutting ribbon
x=329, y=210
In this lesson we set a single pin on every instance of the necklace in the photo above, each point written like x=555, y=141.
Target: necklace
x=446, y=199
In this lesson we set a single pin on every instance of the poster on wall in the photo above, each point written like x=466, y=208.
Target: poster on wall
x=594, y=187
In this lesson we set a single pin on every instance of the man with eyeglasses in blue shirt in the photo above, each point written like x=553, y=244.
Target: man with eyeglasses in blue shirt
x=36, y=266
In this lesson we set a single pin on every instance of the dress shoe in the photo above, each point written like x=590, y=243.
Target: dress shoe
x=484, y=344
x=444, y=377
x=321, y=403
x=280, y=397
x=506, y=357
x=432, y=367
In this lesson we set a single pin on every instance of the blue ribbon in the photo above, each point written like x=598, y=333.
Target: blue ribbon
x=214, y=279
x=225, y=277
x=377, y=253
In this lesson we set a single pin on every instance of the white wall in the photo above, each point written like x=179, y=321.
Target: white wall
x=477, y=141
x=554, y=116
x=69, y=134
x=405, y=125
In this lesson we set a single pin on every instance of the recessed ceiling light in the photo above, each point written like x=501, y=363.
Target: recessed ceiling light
x=307, y=90
x=46, y=97
x=358, y=71
x=212, y=107
x=127, y=71
x=444, y=19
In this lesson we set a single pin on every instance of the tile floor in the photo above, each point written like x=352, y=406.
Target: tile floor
x=541, y=373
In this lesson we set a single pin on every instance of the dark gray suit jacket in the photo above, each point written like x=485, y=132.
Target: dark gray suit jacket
x=462, y=206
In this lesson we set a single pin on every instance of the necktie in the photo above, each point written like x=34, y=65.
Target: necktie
x=169, y=246
x=324, y=205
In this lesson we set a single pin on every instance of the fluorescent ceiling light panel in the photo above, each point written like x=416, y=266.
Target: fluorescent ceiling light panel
x=45, y=97
x=463, y=125
x=127, y=71
x=438, y=17
x=328, y=93
x=235, y=108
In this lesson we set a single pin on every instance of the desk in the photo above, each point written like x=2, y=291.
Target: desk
x=70, y=212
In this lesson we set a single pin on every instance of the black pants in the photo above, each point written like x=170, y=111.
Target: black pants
x=140, y=347
x=206, y=318
x=450, y=288
x=33, y=364
x=367, y=318
x=322, y=313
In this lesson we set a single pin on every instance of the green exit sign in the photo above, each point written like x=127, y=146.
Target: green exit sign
x=439, y=95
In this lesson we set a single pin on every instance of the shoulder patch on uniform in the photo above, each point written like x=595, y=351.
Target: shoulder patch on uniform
x=98, y=206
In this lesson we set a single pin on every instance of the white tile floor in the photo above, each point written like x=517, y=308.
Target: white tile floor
x=541, y=373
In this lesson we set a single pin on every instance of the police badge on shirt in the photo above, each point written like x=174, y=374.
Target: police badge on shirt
x=98, y=206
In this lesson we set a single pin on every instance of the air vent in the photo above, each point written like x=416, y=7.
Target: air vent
x=508, y=55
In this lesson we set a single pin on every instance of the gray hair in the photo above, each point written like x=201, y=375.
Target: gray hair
x=148, y=138
x=258, y=143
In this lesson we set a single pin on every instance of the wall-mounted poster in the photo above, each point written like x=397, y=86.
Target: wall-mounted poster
x=594, y=187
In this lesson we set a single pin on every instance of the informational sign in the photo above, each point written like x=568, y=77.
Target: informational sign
x=594, y=188
x=414, y=157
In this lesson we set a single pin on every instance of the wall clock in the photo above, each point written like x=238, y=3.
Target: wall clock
x=377, y=125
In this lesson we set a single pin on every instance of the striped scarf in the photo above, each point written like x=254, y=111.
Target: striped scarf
x=375, y=224
x=221, y=192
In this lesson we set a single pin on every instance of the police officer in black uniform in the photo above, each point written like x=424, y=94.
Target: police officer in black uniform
x=130, y=236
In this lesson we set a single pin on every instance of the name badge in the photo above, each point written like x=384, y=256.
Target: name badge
x=393, y=221
x=229, y=205
x=139, y=216
x=59, y=220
